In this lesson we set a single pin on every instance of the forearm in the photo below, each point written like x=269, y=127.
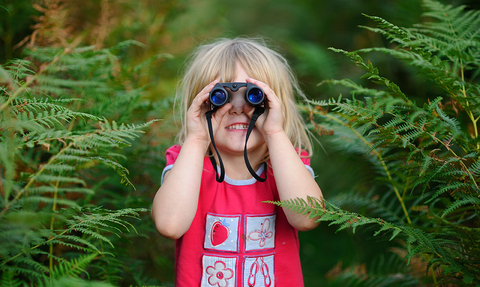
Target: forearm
x=175, y=203
x=292, y=178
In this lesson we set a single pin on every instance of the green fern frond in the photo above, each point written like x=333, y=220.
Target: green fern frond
x=20, y=68
x=472, y=200
x=56, y=178
x=475, y=168
x=23, y=271
x=100, y=218
x=453, y=186
x=48, y=200
x=37, y=266
x=53, y=189
x=8, y=279
x=71, y=246
x=75, y=267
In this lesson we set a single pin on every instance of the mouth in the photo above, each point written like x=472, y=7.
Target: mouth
x=237, y=127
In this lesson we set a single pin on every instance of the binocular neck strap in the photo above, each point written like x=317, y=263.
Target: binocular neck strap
x=220, y=177
x=258, y=111
x=212, y=158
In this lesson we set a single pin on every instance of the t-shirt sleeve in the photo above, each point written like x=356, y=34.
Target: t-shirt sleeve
x=306, y=160
x=171, y=154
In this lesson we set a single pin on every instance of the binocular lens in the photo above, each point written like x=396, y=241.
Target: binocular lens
x=218, y=97
x=255, y=96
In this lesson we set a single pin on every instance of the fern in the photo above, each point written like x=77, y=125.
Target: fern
x=49, y=140
x=425, y=157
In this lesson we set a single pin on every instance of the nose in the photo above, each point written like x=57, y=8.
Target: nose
x=239, y=105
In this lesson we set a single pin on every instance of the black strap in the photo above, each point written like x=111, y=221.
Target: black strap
x=258, y=111
x=212, y=158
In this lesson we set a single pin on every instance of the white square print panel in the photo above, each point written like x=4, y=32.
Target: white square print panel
x=219, y=271
x=259, y=271
x=260, y=231
x=221, y=232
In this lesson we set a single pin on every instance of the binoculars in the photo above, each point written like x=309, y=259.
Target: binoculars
x=254, y=95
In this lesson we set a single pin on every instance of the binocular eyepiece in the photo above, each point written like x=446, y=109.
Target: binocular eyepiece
x=254, y=95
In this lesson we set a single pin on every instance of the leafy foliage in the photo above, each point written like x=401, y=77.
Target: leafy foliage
x=51, y=135
x=425, y=156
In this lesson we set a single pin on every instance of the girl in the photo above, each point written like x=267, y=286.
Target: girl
x=225, y=233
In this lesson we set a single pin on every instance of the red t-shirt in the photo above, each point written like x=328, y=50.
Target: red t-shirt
x=236, y=239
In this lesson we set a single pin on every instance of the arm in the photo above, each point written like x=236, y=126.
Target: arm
x=292, y=178
x=175, y=203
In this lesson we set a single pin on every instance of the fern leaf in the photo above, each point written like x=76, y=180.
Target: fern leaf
x=8, y=279
x=464, y=201
x=47, y=200
x=74, y=268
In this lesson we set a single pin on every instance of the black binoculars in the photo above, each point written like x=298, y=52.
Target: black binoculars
x=254, y=95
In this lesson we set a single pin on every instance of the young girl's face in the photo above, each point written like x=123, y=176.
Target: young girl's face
x=230, y=137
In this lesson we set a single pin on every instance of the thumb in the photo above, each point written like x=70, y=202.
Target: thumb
x=221, y=112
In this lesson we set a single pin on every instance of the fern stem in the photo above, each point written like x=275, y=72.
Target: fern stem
x=469, y=112
x=382, y=162
x=464, y=92
x=470, y=175
x=54, y=207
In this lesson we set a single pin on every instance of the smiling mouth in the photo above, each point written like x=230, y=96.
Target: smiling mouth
x=237, y=127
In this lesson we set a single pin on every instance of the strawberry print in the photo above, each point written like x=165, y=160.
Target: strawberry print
x=219, y=232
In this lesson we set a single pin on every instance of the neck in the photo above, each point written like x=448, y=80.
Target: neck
x=234, y=164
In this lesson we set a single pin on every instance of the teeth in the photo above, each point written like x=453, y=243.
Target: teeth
x=238, y=127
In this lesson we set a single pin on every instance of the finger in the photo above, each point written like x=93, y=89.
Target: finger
x=221, y=112
x=202, y=97
x=269, y=93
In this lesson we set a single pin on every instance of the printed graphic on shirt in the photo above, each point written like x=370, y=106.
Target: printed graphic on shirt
x=260, y=231
x=259, y=271
x=221, y=232
x=218, y=271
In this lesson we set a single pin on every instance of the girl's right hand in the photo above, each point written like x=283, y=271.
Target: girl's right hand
x=196, y=121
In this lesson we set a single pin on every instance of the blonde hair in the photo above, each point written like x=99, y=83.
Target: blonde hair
x=218, y=60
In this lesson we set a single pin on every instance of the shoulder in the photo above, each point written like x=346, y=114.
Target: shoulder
x=172, y=153
x=304, y=156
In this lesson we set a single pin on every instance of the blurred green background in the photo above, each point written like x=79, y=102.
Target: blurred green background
x=301, y=30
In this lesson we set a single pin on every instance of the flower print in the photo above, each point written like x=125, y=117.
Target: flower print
x=263, y=234
x=219, y=274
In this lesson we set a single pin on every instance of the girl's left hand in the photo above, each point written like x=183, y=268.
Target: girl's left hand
x=271, y=121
